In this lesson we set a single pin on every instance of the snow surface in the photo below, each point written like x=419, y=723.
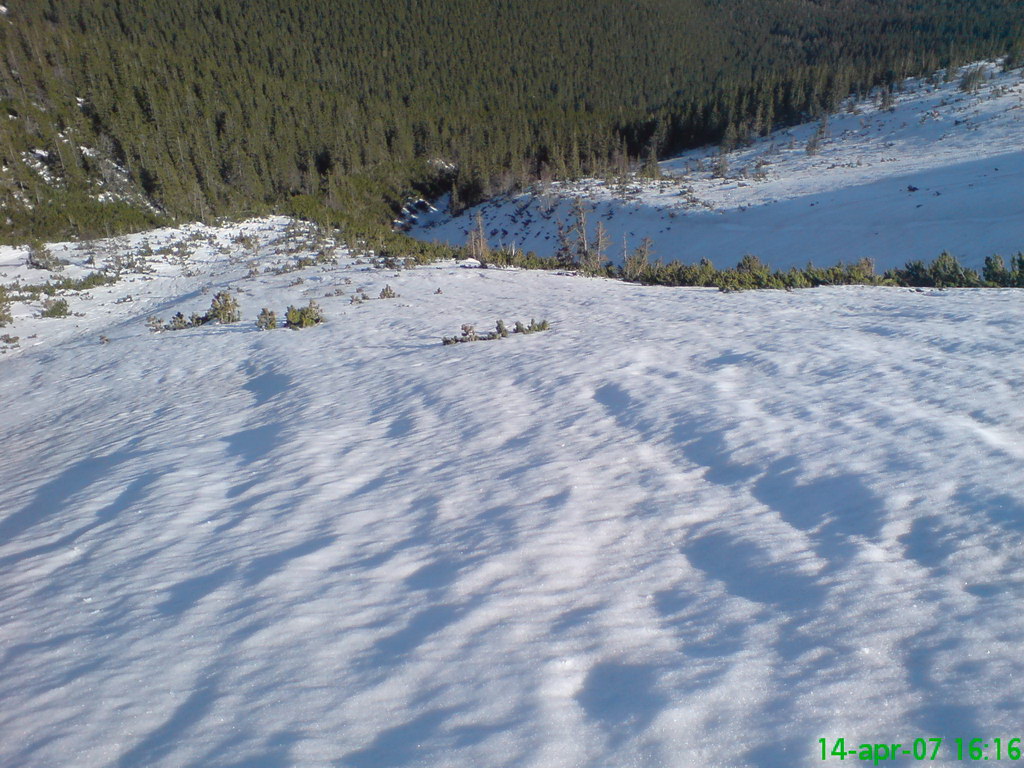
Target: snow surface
x=681, y=528
x=942, y=171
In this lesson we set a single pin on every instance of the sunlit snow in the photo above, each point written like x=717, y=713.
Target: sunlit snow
x=680, y=528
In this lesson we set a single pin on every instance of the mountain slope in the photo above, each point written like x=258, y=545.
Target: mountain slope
x=111, y=109
x=941, y=169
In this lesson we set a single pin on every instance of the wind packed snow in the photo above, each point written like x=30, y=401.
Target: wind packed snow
x=680, y=528
x=941, y=170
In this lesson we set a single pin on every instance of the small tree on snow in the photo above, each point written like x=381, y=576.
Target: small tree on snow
x=595, y=258
x=638, y=261
x=477, y=244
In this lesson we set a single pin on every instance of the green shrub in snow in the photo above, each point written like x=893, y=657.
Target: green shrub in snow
x=55, y=308
x=297, y=318
x=5, y=308
x=267, y=320
x=40, y=258
x=500, y=332
x=224, y=309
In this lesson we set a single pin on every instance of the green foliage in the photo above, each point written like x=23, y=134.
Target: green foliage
x=510, y=256
x=179, y=323
x=997, y=274
x=33, y=291
x=5, y=308
x=303, y=110
x=636, y=265
x=57, y=213
x=533, y=327
x=41, y=258
x=387, y=292
x=944, y=272
x=751, y=274
x=500, y=332
x=55, y=308
x=267, y=320
x=223, y=309
x=92, y=280
x=995, y=271
x=297, y=318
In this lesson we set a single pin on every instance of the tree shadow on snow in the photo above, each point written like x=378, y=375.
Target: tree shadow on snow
x=622, y=698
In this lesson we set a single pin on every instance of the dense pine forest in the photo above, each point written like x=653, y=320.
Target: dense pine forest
x=118, y=114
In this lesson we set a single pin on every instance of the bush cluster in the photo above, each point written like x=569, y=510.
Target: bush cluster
x=750, y=273
x=55, y=308
x=298, y=318
x=5, y=308
x=223, y=309
x=578, y=251
x=995, y=271
x=41, y=258
x=267, y=320
x=323, y=257
x=500, y=332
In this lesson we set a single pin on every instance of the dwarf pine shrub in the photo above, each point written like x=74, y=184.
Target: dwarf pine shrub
x=387, y=292
x=267, y=320
x=996, y=272
x=40, y=258
x=55, y=308
x=224, y=309
x=533, y=327
x=297, y=318
x=500, y=332
x=178, y=323
x=5, y=308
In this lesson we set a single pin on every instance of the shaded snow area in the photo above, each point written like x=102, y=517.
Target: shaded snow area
x=680, y=528
x=943, y=169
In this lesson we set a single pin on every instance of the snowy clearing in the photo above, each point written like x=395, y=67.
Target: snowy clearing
x=942, y=170
x=681, y=528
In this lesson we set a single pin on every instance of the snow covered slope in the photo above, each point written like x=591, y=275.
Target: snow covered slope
x=681, y=528
x=943, y=170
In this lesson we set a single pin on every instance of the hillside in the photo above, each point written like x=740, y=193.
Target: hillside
x=938, y=169
x=679, y=528
x=115, y=116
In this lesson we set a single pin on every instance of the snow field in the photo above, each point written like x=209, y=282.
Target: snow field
x=680, y=528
